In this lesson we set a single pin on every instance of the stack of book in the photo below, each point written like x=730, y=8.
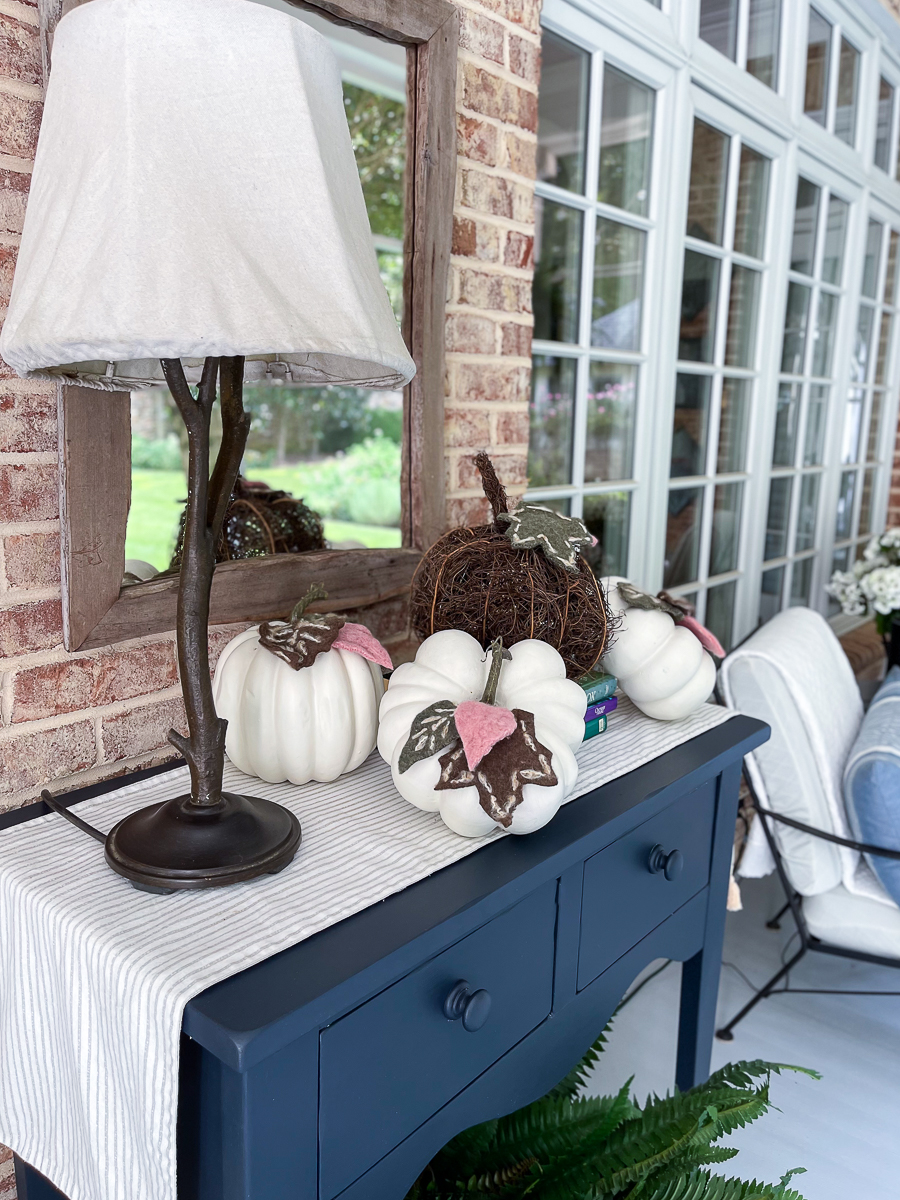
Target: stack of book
x=601, y=701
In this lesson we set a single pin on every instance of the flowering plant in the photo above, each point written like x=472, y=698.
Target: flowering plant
x=873, y=585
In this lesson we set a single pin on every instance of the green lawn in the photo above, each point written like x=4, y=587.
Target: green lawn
x=157, y=498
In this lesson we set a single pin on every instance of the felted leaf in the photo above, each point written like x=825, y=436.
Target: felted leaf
x=704, y=636
x=480, y=727
x=503, y=772
x=299, y=641
x=635, y=598
x=432, y=729
x=534, y=527
x=363, y=642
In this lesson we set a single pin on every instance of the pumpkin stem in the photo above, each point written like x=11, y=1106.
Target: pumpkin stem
x=491, y=485
x=498, y=654
x=316, y=592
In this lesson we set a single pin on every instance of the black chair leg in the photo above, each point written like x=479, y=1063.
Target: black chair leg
x=775, y=922
x=725, y=1033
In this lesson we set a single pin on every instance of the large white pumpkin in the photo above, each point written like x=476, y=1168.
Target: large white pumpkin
x=451, y=665
x=661, y=667
x=284, y=724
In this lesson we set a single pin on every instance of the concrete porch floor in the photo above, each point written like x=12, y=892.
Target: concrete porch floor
x=843, y=1128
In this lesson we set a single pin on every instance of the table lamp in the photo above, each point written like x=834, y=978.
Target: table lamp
x=196, y=217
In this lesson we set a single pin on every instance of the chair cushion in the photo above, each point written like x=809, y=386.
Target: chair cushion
x=793, y=674
x=872, y=781
x=854, y=922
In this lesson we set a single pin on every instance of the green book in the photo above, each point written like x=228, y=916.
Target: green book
x=592, y=728
x=598, y=686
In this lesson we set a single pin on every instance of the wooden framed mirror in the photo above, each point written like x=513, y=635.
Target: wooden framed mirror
x=95, y=474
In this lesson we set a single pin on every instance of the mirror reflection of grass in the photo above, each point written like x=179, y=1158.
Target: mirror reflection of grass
x=357, y=494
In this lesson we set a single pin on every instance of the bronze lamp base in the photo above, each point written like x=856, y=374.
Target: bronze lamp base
x=177, y=845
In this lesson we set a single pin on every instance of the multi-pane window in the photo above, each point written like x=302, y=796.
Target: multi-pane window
x=829, y=51
x=594, y=156
x=804, y=393
x=717, y=372
x=862, y=442
x=747, y=32
x=884, y=125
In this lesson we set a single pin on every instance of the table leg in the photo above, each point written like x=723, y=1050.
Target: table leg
x=700, y=974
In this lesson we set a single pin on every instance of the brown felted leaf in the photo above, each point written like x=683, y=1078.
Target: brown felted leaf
x=432, y=729
x=503, y=772
x=635, y=598
x=534, y=527
x=300, y=641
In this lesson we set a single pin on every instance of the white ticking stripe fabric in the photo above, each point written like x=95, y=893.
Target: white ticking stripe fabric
x=94, y=976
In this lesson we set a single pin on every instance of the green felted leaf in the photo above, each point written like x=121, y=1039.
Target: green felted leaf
x=636, y=598
x=561, y=538
x=433, y=729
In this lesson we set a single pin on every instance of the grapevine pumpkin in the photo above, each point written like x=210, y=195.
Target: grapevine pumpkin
x=301, y=696
x=486, y=739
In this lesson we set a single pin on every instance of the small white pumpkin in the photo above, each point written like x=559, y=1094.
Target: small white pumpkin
x=452, y=666
x=662, y=667
x=315, y=722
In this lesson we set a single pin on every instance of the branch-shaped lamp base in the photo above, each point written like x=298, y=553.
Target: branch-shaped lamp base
x=208, y=838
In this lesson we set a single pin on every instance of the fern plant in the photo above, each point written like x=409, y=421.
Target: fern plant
x=569, y=1147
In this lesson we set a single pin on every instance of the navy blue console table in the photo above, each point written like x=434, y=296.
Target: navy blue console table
x=340, y=1066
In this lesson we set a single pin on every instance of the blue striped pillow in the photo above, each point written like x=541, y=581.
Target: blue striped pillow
x=872, y=781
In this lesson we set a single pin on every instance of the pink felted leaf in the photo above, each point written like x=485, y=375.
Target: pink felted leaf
x=358, y=639
x=707, y=640
x=480, y=727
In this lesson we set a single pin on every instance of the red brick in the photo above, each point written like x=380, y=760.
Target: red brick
x=29, y=493
x=77, y=683
x=512, y=428
x=385, y=620
x=219, y=637
x=469, y=427
x=491, y=381
x=20, y=51
x=511, y=468
x=521, y=155
x=486, y=193
x=516, y=339
x=13, y=198
x=493, y=97
x=526, y=13
x=32, y=560
x=477, y=140
x=8, y=255
x=519, y=250
x=30, y=627
x=468, y=510
x=27, y=422
x=142, y=729
x=34, y=759
x=499, y=293
x=524, y=58
x=475, y=239
x=469, y=334
x=480, y=35
x=20, y=121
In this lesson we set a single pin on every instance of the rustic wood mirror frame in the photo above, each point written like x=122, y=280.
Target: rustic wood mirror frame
x=95, y=472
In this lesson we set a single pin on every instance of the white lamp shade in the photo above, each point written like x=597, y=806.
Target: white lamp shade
x=195, y=193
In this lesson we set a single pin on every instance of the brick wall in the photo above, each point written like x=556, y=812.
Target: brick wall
x=74, y=718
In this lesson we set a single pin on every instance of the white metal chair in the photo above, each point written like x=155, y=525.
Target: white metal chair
x=793, y=674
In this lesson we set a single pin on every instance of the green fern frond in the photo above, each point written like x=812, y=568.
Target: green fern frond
x=701, y=1185
x=745, y=1074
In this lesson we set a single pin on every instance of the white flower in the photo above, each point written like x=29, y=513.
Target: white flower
x=845, y=588
x=881, y=587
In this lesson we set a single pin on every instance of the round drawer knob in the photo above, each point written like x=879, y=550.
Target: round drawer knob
x=670, y=864
x=473, y=1007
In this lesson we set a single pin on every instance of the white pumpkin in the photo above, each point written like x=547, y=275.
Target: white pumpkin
x=284, y=724
x=451, y=665
x=661, y=667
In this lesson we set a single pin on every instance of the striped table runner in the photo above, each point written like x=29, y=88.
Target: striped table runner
x=94, y=976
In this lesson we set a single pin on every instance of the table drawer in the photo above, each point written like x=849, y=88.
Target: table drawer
x=624, y=899
x=386, y=1067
